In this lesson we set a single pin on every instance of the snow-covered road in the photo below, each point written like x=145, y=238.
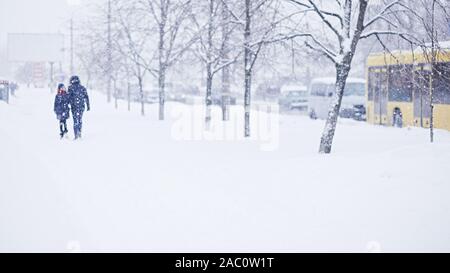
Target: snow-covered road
x=137, y=184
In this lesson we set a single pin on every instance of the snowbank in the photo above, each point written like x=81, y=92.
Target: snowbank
x=137, y=184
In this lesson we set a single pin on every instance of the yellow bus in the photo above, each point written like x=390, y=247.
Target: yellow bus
x=398, y=89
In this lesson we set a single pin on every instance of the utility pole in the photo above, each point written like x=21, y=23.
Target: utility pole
x=109, y=53
x=72, y=4
x=71, y=46
x=51, y=77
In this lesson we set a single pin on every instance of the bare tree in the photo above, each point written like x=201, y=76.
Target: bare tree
x=258, y=20
x=109, y=64
x=24, y=73
x=225, y=55
x=170, y=17
x=132, y=44
x=345, y=21
x=431, y=18
x=100, y=59
x=427, y=23
x=210, y=49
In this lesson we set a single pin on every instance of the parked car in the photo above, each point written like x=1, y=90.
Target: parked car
x=4, y=89
x=353, y=102
x=13, y=87
x=217, y=99
x=294, y=97
x=178, y=97
x=268, y=91
x=151, y=97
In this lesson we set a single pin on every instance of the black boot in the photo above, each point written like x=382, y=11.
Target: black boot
x=61, y=129
x=65, y=128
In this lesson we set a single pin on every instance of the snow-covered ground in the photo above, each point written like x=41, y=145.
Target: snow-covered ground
x=137, y=184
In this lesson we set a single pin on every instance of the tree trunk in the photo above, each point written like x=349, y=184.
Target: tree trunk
x=432, y=78
x=433, y=70
x=209, y=73
x=109, y=54
x=141, y=92
x=326, y=141
x=226, y=69
x=247, y=68
x=162, y=85
x=116, y=105
x=226, y=100
x=248, y=80
x=108, y=90
x=128, y=94
x=88, y=82
x=208, y=101
x=162, y=64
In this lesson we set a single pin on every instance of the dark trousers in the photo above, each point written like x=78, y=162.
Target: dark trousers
x=77, y=123
x=63, y=126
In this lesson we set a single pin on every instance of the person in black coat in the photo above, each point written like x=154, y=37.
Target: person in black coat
x=78, y=98
x=61, y=108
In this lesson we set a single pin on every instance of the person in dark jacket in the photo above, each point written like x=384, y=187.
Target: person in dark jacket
x=61, y=108
x=78, y=99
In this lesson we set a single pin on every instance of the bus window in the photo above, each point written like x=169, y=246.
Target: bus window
x=400, y=84
x=329, y=90
x=441, y=83
x=314, y=90
x=421, y=94
x=354, y=89
x=319, y=89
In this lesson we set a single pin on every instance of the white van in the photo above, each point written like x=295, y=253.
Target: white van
x=294, y=97
x=322, y=92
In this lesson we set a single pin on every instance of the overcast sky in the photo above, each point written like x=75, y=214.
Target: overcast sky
x=35, y=16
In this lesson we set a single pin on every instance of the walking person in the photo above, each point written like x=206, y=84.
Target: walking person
x=78, y=99
x=61, y=108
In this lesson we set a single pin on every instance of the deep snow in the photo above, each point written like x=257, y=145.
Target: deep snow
x=137, y=184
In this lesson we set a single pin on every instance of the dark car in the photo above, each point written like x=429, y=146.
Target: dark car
x=4, y=90
x=217, y=99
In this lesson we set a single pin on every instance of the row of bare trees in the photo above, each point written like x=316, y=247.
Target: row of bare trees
x=134, y=39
